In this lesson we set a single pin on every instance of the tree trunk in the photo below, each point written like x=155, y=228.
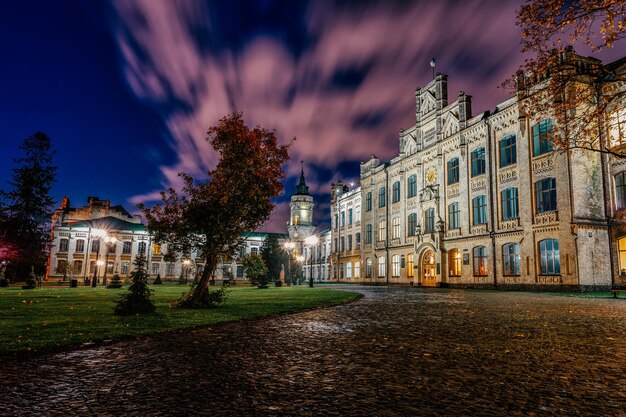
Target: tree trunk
x=201, y=291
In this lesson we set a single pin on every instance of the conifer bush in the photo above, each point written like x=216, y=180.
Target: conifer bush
x=137, y=299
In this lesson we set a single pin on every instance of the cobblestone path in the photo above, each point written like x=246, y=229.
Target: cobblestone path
x=396, y=352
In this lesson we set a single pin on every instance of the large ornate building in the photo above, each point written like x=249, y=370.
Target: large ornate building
x=483, y=200
x=345, y=208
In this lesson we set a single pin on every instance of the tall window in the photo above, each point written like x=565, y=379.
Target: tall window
x=156, y=249
x=541, y=142
x=510, y=258
x=509, y=204
x=336, y=221
x=382, y=197
x=454, y=216
x=126, y=248
x=78, y=267
x=621, y=248
x=80, y=245
x=349, y=270
x=546, y=195
x=396, y=192
x=549, y=255
x=350, y=242
x=395, y=228
x=480, y=261
x=62, y=266
x=368, y=268
x=453, y=171
x=343, y=243
x=169, y=268
x=357, y=241
x=357, y=269
x=368, y=233
x=254, y=250
x=63, y=245
x=620, y=190
x=382, y=270
x=142, y=247
x=454, y=260
x=156, y=266
x=125, y=267
x=343, y=218
x=382, y=226
x=508, y=151
x=395, y=266
x=368, y=201
x=429, y=220
x=410, y=268
x=478, y=162
x=95, y=245
x=411, y=186
x=411, y=224
x=479, y=205
x=349, y=216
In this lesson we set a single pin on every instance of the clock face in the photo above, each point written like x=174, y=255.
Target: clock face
x=431, y=175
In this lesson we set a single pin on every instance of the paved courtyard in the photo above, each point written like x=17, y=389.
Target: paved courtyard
x=397, y=351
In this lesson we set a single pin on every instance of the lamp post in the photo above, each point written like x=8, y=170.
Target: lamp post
x=186, y=263
x=108, y=241
x=289, y=247
x=311, y=242
x=99, y=235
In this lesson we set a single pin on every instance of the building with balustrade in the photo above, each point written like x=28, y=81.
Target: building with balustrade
x=345, y=208
x=484, y=200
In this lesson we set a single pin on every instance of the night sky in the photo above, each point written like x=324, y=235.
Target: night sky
x=127, y=89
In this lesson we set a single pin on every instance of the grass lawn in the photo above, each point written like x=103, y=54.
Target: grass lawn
x=50, y=318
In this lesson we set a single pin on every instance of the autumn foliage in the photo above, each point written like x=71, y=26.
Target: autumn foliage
x=213, y=215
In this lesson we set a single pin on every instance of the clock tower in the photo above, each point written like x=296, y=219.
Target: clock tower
x=300, y=224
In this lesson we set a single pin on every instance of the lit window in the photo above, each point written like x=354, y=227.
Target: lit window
x=395, y=228
x=357, y=269
x=395, y=266
x=410, y=267
x=621, y=247
x=156, y=249
x=381, y=267
x=550, y=257
x=382, y=227
x=541, y=141
x=480, y=261
x=511, y=259
x=454, y=259
x=349, y=270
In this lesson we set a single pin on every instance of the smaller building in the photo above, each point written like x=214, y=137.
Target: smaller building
x=345, y=206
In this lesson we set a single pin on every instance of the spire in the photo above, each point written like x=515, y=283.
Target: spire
x=302, y=188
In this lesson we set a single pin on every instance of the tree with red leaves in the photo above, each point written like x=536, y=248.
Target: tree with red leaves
x=581, y=94
x=213, y=216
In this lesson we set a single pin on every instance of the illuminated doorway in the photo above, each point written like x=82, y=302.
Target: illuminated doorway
x=429, y=269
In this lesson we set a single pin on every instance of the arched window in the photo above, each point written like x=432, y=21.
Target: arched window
x=508, y=151
x=549, y=256
x=545, y=193
x=620, y=191
x=395, y=266
x=357, y=269
x=478, y=162
x=396, y=192
x=382, y=267
x=63, y=245
x=453, y=171
x=509, y=204
x=479, y=205
x=480, y=261
x=454, y=262
x=368, y=268
x=510, y=259
x=411, y=186
x=541, y=137
x=382, y=197
x=395, y=228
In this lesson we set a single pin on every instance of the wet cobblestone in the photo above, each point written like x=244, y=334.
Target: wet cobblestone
x=396, y=352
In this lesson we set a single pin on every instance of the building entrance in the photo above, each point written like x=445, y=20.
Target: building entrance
x=429, y=269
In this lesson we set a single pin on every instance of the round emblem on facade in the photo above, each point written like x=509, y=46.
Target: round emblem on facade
x=431, y=175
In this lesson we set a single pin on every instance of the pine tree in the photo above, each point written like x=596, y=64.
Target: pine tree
x=25, y=210
x=137, y=300
x=271, y=254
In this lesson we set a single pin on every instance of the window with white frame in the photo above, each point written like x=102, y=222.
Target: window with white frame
x=395, y=266
x=382, y=270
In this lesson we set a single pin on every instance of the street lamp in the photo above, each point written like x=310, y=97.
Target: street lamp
x=186, y=263
x=108, y=241
x=99, y=235
x=289, y=247
x=311, y=242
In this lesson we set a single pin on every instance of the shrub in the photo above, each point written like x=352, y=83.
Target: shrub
x=157, y=280
x=137, y=299
x=116, y=282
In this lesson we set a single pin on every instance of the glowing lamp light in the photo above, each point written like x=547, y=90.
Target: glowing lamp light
x=100, y=263
x=186, y=262
x=300, y=258
x=311, y=240
x=98, y=233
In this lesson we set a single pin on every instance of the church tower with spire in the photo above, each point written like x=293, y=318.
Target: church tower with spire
x=300, y=224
